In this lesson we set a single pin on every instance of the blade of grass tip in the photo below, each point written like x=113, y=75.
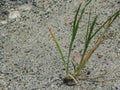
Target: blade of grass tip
x=80, y=17
x=88, y=2
x=92, y=27
x=82, y=12
x=86, y=37
x=59, y=49
x=109, y=23
x=112, y=20
x=75, y=18
x=115, y=14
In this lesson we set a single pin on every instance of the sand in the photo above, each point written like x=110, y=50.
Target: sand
x=29, y=59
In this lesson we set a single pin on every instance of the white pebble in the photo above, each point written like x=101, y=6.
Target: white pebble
x=3, y=22
x=14, y=14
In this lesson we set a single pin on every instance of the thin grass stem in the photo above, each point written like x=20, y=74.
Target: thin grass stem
x=60, y=51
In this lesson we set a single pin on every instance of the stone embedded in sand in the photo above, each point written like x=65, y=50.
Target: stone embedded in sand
x=25, y=7
x=14, y=14
x=3, y=22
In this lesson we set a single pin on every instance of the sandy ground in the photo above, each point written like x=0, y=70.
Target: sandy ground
x=29, y=59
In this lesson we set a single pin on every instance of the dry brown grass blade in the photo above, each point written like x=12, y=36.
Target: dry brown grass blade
x=88, y=55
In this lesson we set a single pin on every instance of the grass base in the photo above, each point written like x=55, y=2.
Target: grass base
x=69, y=81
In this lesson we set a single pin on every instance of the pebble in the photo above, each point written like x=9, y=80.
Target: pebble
x=14, y=14
x=3, y=22
x=25, y=7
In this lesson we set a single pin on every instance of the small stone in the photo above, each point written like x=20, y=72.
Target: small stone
x=3, y=22
x=14, y=14
x=88, y=73
x=53, y=86
x=25, y=7
x=99, y=55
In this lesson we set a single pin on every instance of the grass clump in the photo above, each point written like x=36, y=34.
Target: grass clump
x=71, y=77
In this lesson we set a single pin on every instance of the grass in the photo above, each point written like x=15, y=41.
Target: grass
x=91, y=32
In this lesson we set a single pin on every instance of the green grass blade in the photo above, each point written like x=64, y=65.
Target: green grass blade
x=73, y=35
x=80, y=17
x=88, y=2
x=75, y=26
x=116, y=15
x=74, y=30
x=86, y=37
x=74, y=66
x=113, y=17
x=92, y=27
x=87, y=42
x=89, y=33
x=82, y=12
x=75, y=19
x=88, y=26
x=59, y=49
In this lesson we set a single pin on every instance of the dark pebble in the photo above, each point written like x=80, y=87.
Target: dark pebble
x=88, y=73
